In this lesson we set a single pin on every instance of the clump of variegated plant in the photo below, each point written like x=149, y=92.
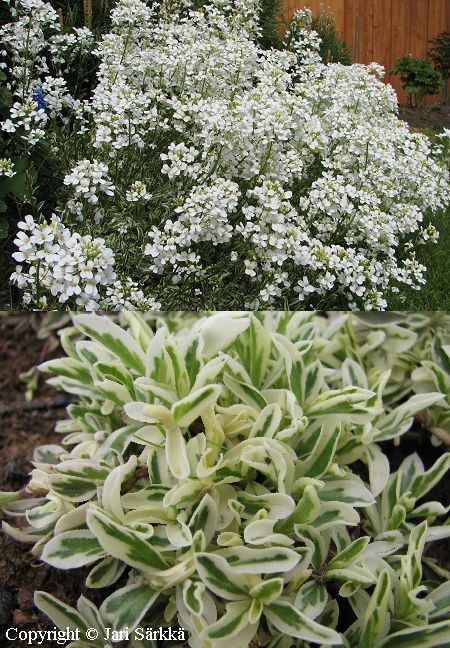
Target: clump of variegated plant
x=226, y=473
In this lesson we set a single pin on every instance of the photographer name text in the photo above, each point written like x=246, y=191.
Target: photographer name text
x=60, y=637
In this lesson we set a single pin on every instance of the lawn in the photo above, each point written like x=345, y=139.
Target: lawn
x=435, y=295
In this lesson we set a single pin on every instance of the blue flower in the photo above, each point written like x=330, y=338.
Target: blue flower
x=38, y=96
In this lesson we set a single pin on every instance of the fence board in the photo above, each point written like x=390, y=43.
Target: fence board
x=350, y=15
x=419, y=27
x=387, y=28
x=400, y=38
x=366, y=10
x=382, y=28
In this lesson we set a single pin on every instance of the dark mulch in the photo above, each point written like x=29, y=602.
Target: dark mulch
x=435, y=117
x=24, y=425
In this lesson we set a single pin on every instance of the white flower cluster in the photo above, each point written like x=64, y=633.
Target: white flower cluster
x=27, y=117
x=87, y=178
x=138, y=193
x=7, y=168
x=127, y=296
x=70, y=267
x=202, y=217
x=65, y=264
x=302, y=171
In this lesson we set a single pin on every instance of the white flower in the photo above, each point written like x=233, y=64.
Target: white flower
x=7, y=167
x=89, y=177
x=138, y=193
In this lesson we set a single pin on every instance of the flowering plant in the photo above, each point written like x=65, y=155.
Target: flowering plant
x=228, y=473
x=199, y=156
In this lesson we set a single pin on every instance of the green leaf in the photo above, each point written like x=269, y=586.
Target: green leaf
x=114, y=338
x=116, y=373
x=348, y=491
x=193, y=358
x=401, y=418
x=424, y=483
x=273, y=560
x=352, y=574
x=246, y=393
x=73, y=489
x=105, y=573
x=187, y=410
x=322, y=455
x=440, y=598
x=254, y=350
x=277, y=505
x=233, y=621
x=268, y=591
x=307, y=509
x=125, y=608
x=315, y=540
x=68, y=367
x=434, y=635
x=177, y=369
x=293, y=623
x=220, y=331
x=72, y=549
x=220, y=578
x=193, y=593
x=311, y=599
x=7, y=498
x=351, y=404
x=333, y=513
x=267, y=422
x=204, y=518
x=349, y=554
x=375, y=616
x=124, y=544
x=63, y=615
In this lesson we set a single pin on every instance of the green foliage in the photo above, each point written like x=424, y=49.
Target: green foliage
x=84, y=13
x=333, y=48
x=440, y=55
x=418, y=77
x=270, y=24
x=232, y=466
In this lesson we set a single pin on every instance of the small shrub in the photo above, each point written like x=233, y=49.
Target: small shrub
x=228, y=473
x=418, y=77
x=333, y=48
x=440, y=55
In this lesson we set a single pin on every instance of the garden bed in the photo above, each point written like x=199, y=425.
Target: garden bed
x=26, y=424
x=143, y=180
x=429, y=118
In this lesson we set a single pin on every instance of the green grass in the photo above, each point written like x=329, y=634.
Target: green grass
x=435, y=295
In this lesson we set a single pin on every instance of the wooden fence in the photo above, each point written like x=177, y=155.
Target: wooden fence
x=383, y=30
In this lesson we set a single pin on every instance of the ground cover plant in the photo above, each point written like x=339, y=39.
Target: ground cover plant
x=227, y=473
x=199, y=169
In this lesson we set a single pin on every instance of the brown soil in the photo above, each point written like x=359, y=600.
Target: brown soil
x=433, y=117
x=24, y=425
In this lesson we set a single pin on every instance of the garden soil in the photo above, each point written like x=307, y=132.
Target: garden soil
x=26, y=424
x=435, y=117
